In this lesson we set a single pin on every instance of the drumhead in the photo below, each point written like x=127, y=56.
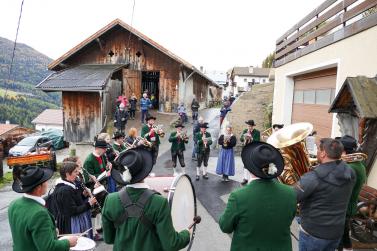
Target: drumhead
x=182, y=202
x=83, y=243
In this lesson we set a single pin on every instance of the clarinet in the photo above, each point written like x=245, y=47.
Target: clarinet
x=85, y=188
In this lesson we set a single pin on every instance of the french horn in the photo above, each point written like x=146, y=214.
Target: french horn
x=290, y=141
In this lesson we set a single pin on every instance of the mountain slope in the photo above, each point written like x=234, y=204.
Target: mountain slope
x=23, y=102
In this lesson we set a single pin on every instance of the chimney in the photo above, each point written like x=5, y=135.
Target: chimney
x=251, y=69
x=7, y=122
x=201, y=68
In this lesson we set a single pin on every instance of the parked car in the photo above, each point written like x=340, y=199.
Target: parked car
x=28, y=144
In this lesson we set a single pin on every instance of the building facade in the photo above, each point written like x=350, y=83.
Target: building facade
x=241, y=79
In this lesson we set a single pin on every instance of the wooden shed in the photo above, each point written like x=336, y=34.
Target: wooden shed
x=127, y=62
x=10, y=135
x=356, y=108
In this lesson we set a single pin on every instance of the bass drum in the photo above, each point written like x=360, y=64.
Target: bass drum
x=180, y=194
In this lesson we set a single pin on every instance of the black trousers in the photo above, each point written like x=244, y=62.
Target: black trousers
x=346, y=242
x=179, y=155
x=203, y=158
x=132, y=114
x=154, y=151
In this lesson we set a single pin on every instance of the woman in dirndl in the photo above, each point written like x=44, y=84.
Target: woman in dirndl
x=225, y=162
x=70, y=208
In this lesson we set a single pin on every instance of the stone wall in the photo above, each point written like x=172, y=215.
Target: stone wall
x=250, y=105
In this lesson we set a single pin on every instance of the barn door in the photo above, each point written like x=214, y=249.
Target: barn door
x=131, y=83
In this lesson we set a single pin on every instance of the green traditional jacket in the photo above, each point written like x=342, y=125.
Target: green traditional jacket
x=260, y=215
x=93, y=167
x=119, y=148
x=145, y=130
x=132, y=235
x=255, y=134
x=177, y=144
x=33, y=227
x=361, y=177
x=199, y=141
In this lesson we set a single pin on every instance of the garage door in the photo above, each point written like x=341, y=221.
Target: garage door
x=313, y=94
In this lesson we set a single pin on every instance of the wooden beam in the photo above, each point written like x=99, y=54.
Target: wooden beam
x=367, y=4
x=348, y=31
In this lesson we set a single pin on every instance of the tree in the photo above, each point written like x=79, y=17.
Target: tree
x=268, y=61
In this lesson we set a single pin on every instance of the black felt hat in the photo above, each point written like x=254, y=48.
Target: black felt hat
x=263, y=160
x=349, y=143
x=150, y=117
x=204, y=125
x=179, y=125
x=30, y=177
x=100, y=144
x=280, y=126
x=135, y=165
x=118, y=135
x=250, y=122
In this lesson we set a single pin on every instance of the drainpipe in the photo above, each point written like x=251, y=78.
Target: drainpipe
x=184, y=83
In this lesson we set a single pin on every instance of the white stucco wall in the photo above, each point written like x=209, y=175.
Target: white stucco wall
x=352, y=56
x=44, y=127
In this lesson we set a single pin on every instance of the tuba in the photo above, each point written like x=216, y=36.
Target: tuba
x=266, y=133
x=354, y=157
x=291, y=143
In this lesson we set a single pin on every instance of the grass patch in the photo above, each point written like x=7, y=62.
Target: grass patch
x=8, y=178
x=9, y=93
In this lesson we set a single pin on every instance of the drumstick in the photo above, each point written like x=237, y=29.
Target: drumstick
x=197, y=219
x=77, y=234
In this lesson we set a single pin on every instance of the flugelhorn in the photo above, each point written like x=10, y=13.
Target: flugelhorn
x=227, y=140
x=183, y=135
x=248, y=138
x=158, y=130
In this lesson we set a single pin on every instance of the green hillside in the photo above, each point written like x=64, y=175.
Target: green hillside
x=23, y=102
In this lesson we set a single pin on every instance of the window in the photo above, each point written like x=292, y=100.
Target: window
x=323, y=97
x=332, y=95
x=309, y=97
x=298, y=97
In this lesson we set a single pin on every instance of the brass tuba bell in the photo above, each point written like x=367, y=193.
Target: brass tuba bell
x=290, y=141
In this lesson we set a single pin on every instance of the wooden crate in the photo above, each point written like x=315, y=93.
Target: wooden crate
x=29, y=159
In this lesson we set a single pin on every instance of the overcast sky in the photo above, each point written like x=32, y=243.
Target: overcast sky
x=216, y=34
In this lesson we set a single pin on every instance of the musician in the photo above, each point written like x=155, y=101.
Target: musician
x=118, y=144
x=260, y=214
x=349, y=154
x=150, y=133
x=324, y=194
x=248, y=135
x=225, y=162
x=150, y=231
x=204, y=140
x=110, y=156
x=195, y=130
x=71, y=212
x=32, y=226
x=120, y=118
x=132, y=135
x=178, y=140
x=95, y=164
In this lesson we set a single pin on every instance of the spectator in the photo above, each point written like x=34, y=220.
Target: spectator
x=133, y=103
x=145, y=105
x=120, y=118
x=323, y=195
x=182, y=112
x=195, y=109
x=195, y=130
x=223, y=111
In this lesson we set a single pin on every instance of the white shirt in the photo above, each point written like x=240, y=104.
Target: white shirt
x=139, y=185
x=38, y=199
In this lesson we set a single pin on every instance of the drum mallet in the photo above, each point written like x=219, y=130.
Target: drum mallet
x=197, y=220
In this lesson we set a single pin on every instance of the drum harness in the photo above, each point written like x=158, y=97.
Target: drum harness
x=135, y=209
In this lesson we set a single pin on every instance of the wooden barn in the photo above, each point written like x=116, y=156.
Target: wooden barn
x=120, y=60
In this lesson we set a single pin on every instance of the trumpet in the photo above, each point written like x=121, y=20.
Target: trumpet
x=183, y=135
x=143, y=141
x=247, y=138
x=158, y=130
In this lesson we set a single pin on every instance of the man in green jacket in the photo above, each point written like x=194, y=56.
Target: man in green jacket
x=204, y=141
x=32, y=226
x=133, y=221
x=250, y=134
x=260, y=214
x=350, y=146
x=118, y=144
x=178, y=140
x=150, y=133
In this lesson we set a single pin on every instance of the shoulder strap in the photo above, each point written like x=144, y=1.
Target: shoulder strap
x=135, y=210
